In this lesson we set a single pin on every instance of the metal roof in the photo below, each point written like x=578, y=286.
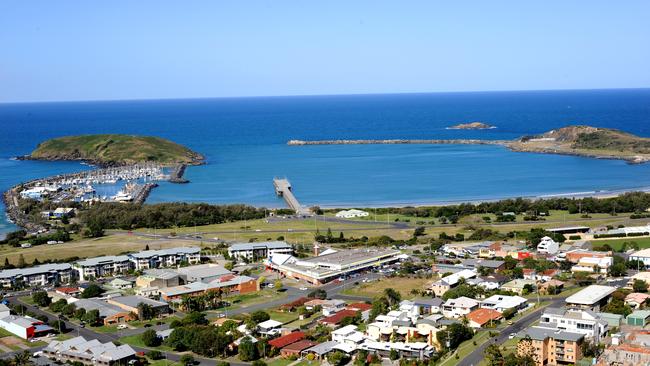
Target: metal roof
x=260, y=245
x=590, y=295
x=30, y=271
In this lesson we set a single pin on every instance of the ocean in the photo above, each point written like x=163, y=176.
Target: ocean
x=244, y=141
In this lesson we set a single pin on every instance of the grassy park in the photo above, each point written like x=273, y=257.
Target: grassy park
x=375, y=288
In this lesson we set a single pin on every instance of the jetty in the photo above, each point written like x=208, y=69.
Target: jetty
x=176, y=175
x=283, y=189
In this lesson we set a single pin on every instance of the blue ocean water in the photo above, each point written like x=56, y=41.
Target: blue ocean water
x=244, y=141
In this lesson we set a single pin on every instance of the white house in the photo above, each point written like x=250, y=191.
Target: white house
x=642, y=255
x=269, y=327
x=593, y=265
x=349, y=214
x=348, y=335
x=456, y=308
x=577, y=321
x=502, y=303
x=548, y=246
x=261, y=250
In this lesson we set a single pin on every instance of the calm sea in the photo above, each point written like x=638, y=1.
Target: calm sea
x=244, y=140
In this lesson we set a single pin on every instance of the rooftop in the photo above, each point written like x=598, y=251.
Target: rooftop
x=482, y=315
x=165, y=252
x=300, y=345
x=135, y=300
x=29, y=271
x=203, y=271
x=109, y=259
x=590, y=295
x=260, y=245
x=541, y=333
x=286, y=340
x=338, y=317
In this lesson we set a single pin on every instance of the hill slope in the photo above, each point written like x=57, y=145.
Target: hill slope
x=115, y=149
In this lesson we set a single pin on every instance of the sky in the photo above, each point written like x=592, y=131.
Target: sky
x=88, y=50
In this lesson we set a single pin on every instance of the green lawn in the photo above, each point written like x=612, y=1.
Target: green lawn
x=617, y=244
x=136, y=340
x=279, y=362
x=162, y=363
x=467, y=347
x=308, y=363
x=283, y=317
x=245, y=300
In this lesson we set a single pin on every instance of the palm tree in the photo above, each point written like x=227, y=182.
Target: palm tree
x=22, y=359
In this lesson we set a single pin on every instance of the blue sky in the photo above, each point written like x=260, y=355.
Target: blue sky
x=86, y=50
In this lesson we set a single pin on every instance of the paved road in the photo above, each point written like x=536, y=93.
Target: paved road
x=474, y=358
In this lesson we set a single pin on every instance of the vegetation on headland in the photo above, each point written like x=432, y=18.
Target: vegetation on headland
x=115, y=149
x=595, y=142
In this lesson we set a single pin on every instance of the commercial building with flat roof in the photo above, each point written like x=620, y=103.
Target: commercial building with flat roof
x=327, y=267
x=258, y=250
x=202, y=273
x=109, y=313
x=227, y=284
x=132, y=303
x=42, y=275
x=590, y=298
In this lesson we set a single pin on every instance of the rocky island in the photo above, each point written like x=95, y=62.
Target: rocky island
x=588, y=141
x=471, y=126
x=115, y=150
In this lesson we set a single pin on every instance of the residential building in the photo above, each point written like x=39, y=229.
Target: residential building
x=591, y=298
x=593, y=265
x=459, y=307
x=494, y=265
x=165, y=257
x=362, y=308
x=121, y=284
x=480, y=317
x=320, y=350
x=259, y=250
x=518, y=285
x=269, y=328
x=642, y=255
x=97, y=267
x=548, y=246
x=577, y=321
x=336, y=319
x=446, y=283
x=631, y=350
x=295, y=349
x=502, y=303
x=91, y=352
x=327, y=267
x=575, y=255
x=419, y=350
x=636, y=299
x=551, y=346
x=428, y=305
x=348, y=334
x=37, y=276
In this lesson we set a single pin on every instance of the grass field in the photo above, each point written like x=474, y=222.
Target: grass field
x=617, y=244
x=466, y=348
x=245, y=300
x=283, y=317
x=279, y=362
x=375, y=288
x=136, y=340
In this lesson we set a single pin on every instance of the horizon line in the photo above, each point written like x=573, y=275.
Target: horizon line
x=153, y=99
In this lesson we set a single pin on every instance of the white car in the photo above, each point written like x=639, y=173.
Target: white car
x=121, y=326
x=304, y=289
x=512, y=335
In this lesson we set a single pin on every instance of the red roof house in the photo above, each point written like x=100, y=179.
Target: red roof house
x=286, y=340
x=338, y=317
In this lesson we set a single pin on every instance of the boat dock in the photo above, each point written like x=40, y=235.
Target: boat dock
x=283, y=189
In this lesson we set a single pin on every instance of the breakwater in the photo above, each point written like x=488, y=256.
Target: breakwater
x=400, y=141
x=176, y=175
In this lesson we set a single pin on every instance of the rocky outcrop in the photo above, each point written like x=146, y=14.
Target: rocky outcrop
x=471, y=126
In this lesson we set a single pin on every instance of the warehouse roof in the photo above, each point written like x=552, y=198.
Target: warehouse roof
x=590, y=295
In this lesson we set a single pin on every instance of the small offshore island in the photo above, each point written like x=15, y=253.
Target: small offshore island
x=587, y=141
x=472, y=126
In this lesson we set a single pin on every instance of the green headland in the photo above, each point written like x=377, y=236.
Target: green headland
x=115, y=149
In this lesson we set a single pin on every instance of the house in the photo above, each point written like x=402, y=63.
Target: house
x=591, y=297
x=550, y=346
x=348, y=334
x=544, y=276
x=37, y=276
x=642, y=255
x=362, y=308
x=480, y=317
x=68, y=291
x=269, y=328
x=259, y=250
x=286, y=340
x=320, y=350
x=428, y=305
x=446, y=283
x=459, y=307
x=593, y=265
x=494, y=265
x=518, y=285
x=352, y=213
x=636, y=299
x=60, y=212
x=333, y=306
x=577, y=321
x=121, y=284
x=295, y=349
x=164, y=334
x=22, y=326
x=502, y=303
x=91, y=352
x=148, y=292
x=639, y=318
x=545, y=287
x=109, y=313
x=548, y=246
x=336, y=319
x=132, y=304
x=418, y=350
x=633, y=350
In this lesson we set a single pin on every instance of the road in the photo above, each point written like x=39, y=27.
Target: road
x=474, y=358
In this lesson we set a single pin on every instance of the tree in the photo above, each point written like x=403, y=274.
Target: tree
x=155, y=355
x=493, y=355
x=640, y=286
x=392, y=296
x=258, y=363
x=454, y=335
x=247, y=350
x=318, y=294
x=278, y=284
x=618, y=268
x=21, y=261
x=260, y=316
x=145, y=311
x=195, y=318
x=41, y=299
x=379, y=306
x=419, y=231
x=92, y=317
x=150, y=338
x=338, y=358
x=187, y=360
x=93, y=290
x=394, y=355
x=229, y=265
